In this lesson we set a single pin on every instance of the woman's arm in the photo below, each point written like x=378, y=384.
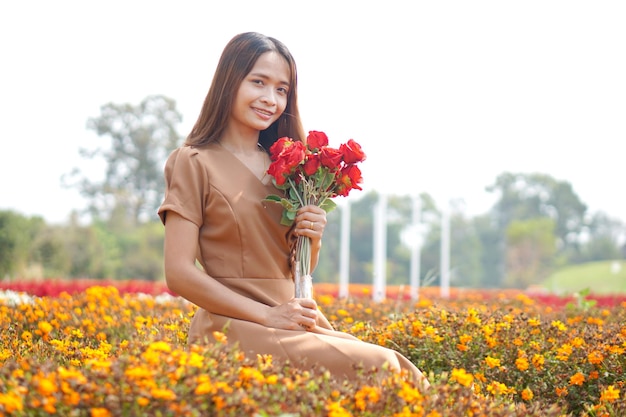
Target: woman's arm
x=184, y=278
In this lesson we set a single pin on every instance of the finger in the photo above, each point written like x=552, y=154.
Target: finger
x=307, y=303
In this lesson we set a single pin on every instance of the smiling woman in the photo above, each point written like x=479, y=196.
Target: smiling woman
x=215, y=213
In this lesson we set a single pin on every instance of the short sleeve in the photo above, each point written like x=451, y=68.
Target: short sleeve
x=186, y=187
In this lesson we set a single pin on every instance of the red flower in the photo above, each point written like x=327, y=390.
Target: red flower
x=312, y=164
x=313, y=173
x=316, y=140
x=348, y=178
x=287, y=155
x=352, y=152
x=330, y=157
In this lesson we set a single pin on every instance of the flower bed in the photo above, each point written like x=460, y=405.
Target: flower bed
x=100, y=351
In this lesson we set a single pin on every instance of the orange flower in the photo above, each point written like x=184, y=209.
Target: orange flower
x=538, y=361
x=577, y=379
x=521, y=364
x=220, y=337
x=11, y=402
x=100, y=412
x=527, y=394
x=595, y=357
x=366, y=395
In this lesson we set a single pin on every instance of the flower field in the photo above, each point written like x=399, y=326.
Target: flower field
x=119, y=349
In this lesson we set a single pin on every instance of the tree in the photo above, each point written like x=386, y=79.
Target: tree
x=603, y=237
x=141, y=139
x=531, y=245
x=530, y=196
x=15, y=240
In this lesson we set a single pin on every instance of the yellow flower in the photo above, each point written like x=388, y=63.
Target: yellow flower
x=610, y=394
x=497, y=388
x=577, y=379
x=44, y=327
x=462, y=377
x=538, y=361
x=11, y=402
x=472, y=316
x=492, y=362
x=163, y=394
x=335, y=409
x=564, y=351
x=409, y=393
x=160, y=347
x=559, y=325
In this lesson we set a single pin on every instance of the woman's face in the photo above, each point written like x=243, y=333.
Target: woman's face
x=262, y=95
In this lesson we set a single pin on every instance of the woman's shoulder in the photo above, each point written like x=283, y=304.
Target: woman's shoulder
x=186, y=152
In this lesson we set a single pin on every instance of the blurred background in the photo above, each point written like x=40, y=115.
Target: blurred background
x=506, y=115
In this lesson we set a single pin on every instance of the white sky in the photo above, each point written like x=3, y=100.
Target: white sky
x=443, y=96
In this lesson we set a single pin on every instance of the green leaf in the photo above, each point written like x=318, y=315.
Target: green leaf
x=273, y=198
x=328, y=205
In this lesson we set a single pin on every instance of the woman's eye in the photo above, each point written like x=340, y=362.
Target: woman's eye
x=283, y=90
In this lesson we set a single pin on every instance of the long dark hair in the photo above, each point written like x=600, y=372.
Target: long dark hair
x=237, y=60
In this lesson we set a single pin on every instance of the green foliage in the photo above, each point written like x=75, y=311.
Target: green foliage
x=18, y=246
x=141, y=138
x=530, y=249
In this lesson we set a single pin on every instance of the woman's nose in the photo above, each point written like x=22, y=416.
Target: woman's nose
x=269, y=99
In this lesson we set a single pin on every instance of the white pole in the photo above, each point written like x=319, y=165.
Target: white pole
x=380, y=246
x=344, y=255
x=445, y=251
x=416, y=249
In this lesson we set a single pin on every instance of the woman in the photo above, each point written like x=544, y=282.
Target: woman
x=214, y=214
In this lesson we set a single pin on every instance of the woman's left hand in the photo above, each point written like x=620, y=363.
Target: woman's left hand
x=310, y=222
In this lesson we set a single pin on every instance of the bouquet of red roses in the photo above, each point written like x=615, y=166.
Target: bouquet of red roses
x=311, y=173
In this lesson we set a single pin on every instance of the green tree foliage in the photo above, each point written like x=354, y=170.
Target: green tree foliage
x=530, y=196
x=15, y=243
x=601, y=240
x=531, y=245
x=141, y=137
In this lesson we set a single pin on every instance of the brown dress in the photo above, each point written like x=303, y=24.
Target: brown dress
x=243, y=245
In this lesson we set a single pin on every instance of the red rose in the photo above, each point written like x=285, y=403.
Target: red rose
x=278, y=146
x=316, y=140
x=312, y=164
x=348, y=178
x=352, y=152
x=286, y=156
x=330, y=157
x=279, y=170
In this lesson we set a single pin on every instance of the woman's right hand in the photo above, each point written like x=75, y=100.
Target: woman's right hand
x=297, y=314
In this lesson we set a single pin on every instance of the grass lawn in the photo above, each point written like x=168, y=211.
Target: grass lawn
x=604, y=277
